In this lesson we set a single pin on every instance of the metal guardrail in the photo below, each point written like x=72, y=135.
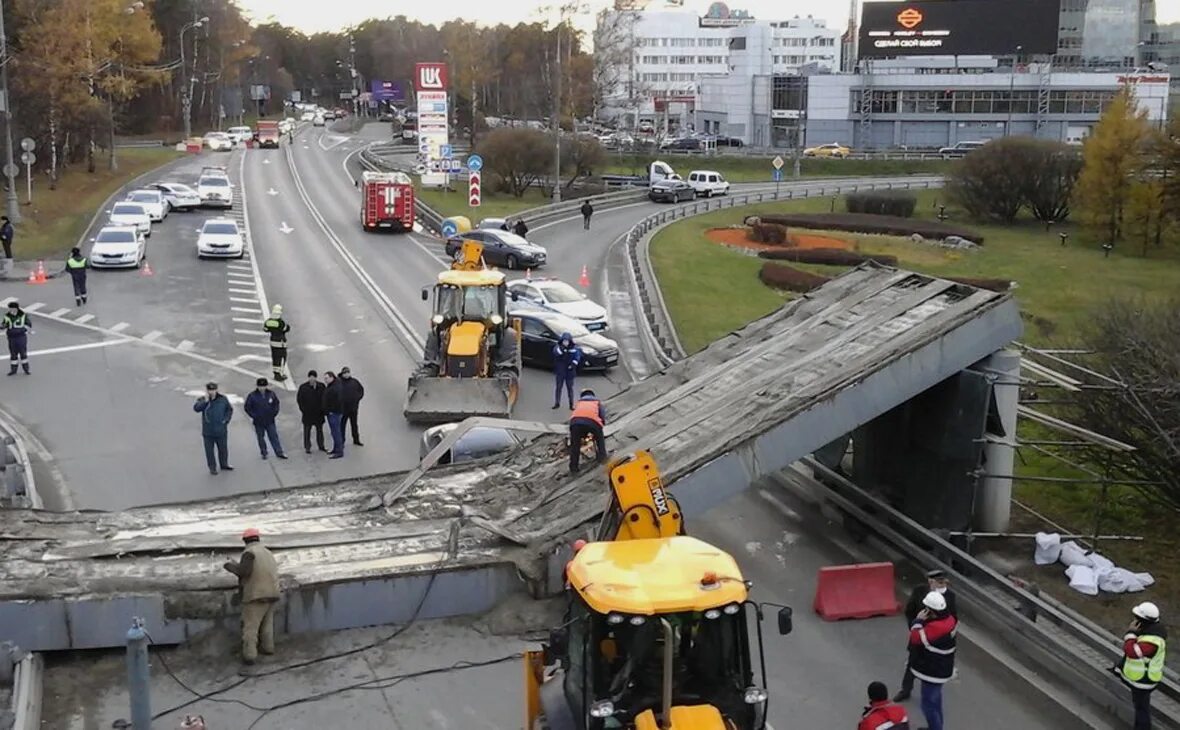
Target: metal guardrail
x=16, y=471
x=27, y=690
x=770, y=152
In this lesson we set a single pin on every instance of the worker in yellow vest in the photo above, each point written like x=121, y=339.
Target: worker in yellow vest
x=1142, y=668
x=277, y=328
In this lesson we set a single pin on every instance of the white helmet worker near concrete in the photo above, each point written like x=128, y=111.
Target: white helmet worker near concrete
x=1147, y=611
x=934, y=601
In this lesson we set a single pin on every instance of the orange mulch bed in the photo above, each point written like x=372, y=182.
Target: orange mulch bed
x=737, y=237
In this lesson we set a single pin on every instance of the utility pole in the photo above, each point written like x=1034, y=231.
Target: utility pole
x=557, y=119
x=12, y=204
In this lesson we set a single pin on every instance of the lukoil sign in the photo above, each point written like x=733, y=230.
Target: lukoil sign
x=430, y=76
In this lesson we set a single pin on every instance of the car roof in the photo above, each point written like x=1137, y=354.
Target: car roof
x=128, y=203
x=143, y=190
x=219, y=220
x=121, y=229
x=555, y=320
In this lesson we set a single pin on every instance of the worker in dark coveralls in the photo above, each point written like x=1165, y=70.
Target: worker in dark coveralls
x=258, y=580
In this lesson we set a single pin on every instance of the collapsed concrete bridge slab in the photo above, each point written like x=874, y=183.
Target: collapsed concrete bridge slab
x=456, y=540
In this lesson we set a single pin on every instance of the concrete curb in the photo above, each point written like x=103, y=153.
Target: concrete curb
x=26, y=693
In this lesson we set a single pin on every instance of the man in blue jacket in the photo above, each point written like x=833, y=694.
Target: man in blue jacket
x=262, y=406
x=216, y=413
x=566, y=358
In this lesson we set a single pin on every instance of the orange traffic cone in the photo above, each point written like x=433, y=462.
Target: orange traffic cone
x=33, y=277
x=146, y=270
x=41, y=277
x=528, y=273
x=584, y=279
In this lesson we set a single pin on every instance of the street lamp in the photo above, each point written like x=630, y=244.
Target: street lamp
x=13, y=205
x=1011, y=89
x=186, y=85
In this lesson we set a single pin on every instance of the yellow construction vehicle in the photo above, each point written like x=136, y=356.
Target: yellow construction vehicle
x=471, y=363
x=656, y=636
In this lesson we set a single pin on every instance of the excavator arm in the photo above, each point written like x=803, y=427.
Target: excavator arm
x=640, y=507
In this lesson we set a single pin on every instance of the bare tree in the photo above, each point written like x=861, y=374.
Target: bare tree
x=616, y=84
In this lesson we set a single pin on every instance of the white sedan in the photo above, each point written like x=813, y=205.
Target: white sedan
x=117, y=247
x=179, y=196
x=215, y=192
x=318, y=121
x=240, y=134
x=131, y=214
x=307, y=116
x=153, y=201
x=219, y=141
x=558, y=296
x=220, y=238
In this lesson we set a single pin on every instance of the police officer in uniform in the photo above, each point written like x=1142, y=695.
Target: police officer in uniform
x=278, y=328
x=1142, y=667
x=17, y=326
x=258, y=578
x=76, y=266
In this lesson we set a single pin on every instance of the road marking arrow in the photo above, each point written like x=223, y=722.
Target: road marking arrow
x=285, y=228
x=266, y=162
x=272, y=191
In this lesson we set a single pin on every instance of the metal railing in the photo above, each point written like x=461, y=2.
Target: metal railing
x=16, y=471
x=770, y=152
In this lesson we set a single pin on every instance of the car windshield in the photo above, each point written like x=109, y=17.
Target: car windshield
x=115, y=237
x=471, y=303
x=143, y=197
x=561, y=293
x=177, y=188
x=126, y=209
x=572, y=326
x=221, y=229
x=215, y=182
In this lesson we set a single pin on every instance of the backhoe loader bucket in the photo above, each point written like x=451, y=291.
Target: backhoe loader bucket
x=431, y=400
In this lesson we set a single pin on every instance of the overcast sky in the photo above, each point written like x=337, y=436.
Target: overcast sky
x=311, y=17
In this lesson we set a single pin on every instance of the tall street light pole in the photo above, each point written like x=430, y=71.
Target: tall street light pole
x=186, y=91
x=557, y=120
x=12, y=204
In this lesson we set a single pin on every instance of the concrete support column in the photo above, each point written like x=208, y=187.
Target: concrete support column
x=994, y=502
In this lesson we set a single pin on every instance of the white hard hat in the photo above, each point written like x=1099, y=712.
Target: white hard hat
x=276, y=310
x=1147, y=611
x=934, y=601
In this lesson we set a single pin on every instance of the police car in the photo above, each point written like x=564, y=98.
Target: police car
x=558, y=296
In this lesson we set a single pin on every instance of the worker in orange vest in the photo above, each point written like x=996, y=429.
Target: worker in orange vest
x=587, y=419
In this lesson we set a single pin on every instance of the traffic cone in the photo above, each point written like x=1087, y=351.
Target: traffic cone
x=528, y=273
x=146, y=270
x=33, y=277
x=41, y=277
x=584, y=279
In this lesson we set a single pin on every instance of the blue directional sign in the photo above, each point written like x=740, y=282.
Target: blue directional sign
x=444, y=151
x=449, y=228
x=475, y=163
x=778, y=175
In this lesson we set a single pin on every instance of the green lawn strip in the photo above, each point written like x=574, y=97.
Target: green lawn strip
x=493, y=205
x=758, y=169
x=58, y=218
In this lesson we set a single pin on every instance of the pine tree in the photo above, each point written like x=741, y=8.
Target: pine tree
x=1113, y=157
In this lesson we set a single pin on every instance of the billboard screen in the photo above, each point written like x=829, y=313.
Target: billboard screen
x=390, y=91
x=958, y=28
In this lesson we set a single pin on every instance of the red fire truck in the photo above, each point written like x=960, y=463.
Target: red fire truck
x=387, y=201
x=267, y=133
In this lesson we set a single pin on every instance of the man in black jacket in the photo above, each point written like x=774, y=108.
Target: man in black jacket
x=587, y=211
x=937, y=582
x=334, y=410
x=351, y=393
x=311, y=405
x=521, y=228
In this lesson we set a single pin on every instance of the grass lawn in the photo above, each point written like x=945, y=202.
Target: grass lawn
x=57, y=218
x=711, y=290
x=758, y=169
x=495, y=205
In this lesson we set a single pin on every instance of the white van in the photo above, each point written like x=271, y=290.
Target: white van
x=708, y=183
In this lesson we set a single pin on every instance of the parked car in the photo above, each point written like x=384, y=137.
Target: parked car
x=834, y=149
x=670, y=191
x=240, y=134
x=215, y=192
x=708, y=183
x=178, y=195
x=557, y=296
x=215, y=171
x=318, y=121
x=153, y=202
x=306, y=116
x=478, y=443
x=220, y=238
x=117, y=247
x=218, y=141
x=729, y=142
x=541, y=329
x=131, y=214
x=960, y=149
x=501, y=248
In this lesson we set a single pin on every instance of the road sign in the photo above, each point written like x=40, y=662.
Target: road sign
x=449, y=228
x=778, y=175
x=11, y=170
x=474, y=186
x=475, y=163
x=28, y=144
x=444, y=151
x=778, y=162
x=28, y=158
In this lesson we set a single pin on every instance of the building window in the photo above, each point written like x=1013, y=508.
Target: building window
x=681, y=60
x=710, y=59
x=655, y=60
x=737, y=44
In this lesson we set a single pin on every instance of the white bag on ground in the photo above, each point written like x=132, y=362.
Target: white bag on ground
x=1048, y=548
x=1082, y=579
x=1145, y=578
x=1100, y=563
x=1121, y=580
x=1073, y=554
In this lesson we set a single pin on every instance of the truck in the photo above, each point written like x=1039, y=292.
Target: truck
x=267, y=133
x=656, y=172
x=387, y=201
x=659, y=631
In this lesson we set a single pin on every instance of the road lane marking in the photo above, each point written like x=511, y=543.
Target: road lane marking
x=244, y=301
x=6, y=300
x=120, y=327
x=153, y=336
x=243, y=310
x=242, y=291
x=247, y=320
x=59, y=312
x=264, y=346
x=239, y=275
x=34, y=307
x=74, y=348
x=247, y=358
x=186, y=345
x=253, y=333
x=239, y=267
x=84, y=318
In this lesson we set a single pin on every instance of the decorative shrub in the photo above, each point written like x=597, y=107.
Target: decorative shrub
x=827, y=256
x=790, y=279
x=770, y=233
x=897, y=203
x=867, y=223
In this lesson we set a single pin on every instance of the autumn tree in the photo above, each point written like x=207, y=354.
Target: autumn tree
x=1112, y=160
x=581, y=156
x=988, y=182
x=516, y=157
x=1051, y=172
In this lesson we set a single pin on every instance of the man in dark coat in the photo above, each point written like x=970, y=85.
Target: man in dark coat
x=567, y=356
x=351, y=393
x=334, y=410
x=6, y=234
x=216, y=413
x=262, y=406
x=937, y=582
x=587, y=211
x=521, y=228
x=17, y=327
x=311, y=406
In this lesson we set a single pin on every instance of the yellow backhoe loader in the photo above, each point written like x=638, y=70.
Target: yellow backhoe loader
x=471, y=363
x=657, y=633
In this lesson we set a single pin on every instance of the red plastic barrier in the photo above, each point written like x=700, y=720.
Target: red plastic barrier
x=855, y=591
